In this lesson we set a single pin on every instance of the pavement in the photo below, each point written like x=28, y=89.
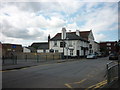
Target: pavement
x=114, y=84
x=30, y=64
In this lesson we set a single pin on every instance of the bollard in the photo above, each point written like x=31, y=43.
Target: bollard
x=108, y=77
x=107, y=74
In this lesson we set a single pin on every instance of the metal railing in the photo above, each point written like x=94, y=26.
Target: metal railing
x=112, y=71
x=28, y=59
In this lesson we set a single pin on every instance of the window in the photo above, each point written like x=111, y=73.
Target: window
x=62, y=44
x=71, y=52
x=44, y=51
x=108, y=44
x=70, y=43
x=55, y=43
x=109, y=47
x=56, y=50
x=90, y=46
x=109, y=52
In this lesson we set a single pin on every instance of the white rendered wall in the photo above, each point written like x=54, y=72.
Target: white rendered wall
x=26, y=50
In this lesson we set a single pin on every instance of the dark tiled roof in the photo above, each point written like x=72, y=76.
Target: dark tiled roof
x=31, y=48
x=40, y=45
x=69, y=35
x=8, y=44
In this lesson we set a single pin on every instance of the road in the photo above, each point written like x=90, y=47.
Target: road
x=83, y=73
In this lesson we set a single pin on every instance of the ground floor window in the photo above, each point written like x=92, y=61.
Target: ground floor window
x=71, y=52
x=56, y=50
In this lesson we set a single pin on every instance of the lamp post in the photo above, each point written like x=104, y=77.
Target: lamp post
x=67, y=47
x=63, y=48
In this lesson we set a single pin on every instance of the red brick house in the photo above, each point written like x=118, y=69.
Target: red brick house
x=8, y=49
x=108, y=47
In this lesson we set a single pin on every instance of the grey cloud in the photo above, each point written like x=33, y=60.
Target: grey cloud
x=13, y=32
x=35, y=6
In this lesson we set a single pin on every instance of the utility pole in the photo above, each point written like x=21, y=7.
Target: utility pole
x=63, y=45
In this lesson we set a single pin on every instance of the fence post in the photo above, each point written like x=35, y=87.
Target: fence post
x=3, y=58
x=46, y=57
x=59, y=56
x=15, y=59
x=37, y=58
x=53, y=56
x=26, y=58
x=12, y=58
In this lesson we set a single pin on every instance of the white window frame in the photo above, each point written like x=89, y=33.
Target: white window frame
x=71, y=52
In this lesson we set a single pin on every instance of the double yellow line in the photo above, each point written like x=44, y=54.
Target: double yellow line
x=98, y=85
x=69, y=84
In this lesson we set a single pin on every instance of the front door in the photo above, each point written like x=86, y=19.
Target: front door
x=78, y=53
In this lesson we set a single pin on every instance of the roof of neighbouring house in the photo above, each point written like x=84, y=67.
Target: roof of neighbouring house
x=108, y=42
x=11, y=44
x=69, y=35
x=85, y=34
x=40, y=45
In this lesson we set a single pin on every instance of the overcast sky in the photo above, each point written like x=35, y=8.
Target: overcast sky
x=28, y=22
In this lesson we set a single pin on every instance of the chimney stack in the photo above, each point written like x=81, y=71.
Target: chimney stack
x=78, y=32
x=63, y=35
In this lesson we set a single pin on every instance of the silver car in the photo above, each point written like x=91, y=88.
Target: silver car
x=91, y=56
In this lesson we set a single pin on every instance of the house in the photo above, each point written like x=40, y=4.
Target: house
x=26, y=50
x=11, y=49
x=88, y=35
x=108, y=47
x=96, y=48
x=41, y=47
x=69, y=43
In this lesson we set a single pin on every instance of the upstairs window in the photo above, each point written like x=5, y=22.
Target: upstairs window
x=70, y=43
x=90, y=46
x=108, y=44
x=55, y=43
x=62, y=44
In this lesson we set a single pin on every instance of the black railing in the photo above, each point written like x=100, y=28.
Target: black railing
x=112, y=71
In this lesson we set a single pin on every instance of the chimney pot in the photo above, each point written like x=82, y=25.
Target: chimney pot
x=63, y=33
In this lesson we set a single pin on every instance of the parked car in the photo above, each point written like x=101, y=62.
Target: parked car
x=113, y=56
x=91, y=56
x=99, y=55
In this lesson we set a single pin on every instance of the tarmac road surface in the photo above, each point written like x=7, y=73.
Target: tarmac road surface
x=85, y=73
